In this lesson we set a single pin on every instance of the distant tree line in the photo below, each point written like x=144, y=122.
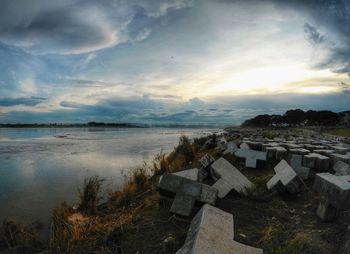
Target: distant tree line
x=67, y=125
x=298, y=117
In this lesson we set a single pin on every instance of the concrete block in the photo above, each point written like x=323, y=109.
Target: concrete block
x=228, y=178
x=285, y=176
x=251, y=156
x=212, y=232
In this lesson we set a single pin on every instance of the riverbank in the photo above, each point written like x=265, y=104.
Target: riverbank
x=137, y=219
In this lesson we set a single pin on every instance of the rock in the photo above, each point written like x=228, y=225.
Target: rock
x=250, y=156
x=186, y=192
x=284, y=179
x=228, y=178
x=335, y=194
x=212, y=232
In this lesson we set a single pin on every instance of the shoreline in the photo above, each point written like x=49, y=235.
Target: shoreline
x=137, y=218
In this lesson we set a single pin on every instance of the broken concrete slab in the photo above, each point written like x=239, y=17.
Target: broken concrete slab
x=229, y=178
x=335, y=194
x=212, y=232
x=191, y=174
x=251, y=157
x=284, y=179
x=186, y=192
x=341, y=168
x=296, y=161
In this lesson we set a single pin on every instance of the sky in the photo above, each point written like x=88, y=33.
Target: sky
x=171, y=61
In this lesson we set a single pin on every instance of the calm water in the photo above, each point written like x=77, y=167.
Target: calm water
x=38, y=170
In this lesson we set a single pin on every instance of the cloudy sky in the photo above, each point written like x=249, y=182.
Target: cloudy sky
x=171, y=61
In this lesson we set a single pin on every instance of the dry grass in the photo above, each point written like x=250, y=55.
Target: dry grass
x=339, y=132
x=89, y=197
x=20, y=238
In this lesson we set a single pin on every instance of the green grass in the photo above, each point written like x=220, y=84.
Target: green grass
x=339, y=132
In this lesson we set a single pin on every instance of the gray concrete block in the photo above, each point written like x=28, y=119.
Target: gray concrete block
x=335, y=194
x=228, y=178
x=251, y=156
x=212, y=232
x=285, y=176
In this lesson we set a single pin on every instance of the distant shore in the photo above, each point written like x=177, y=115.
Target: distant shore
x=74, y=125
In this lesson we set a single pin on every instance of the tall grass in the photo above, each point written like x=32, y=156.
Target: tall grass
x=89, y=196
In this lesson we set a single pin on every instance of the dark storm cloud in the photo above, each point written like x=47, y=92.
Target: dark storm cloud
x=345, y=88
x=332, y=17
x=76, y=26
x=312, y=34
x=26, y=101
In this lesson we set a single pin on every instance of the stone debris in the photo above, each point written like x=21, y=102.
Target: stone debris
x=229, y=178
x=341, y=168
x=296, y=161
x=186, y=193
x=284, y=179
x=191, y=174
x=212, y=232
x=251, y=157
x=335, y=194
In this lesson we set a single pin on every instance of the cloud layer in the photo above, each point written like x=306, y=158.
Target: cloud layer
x=171, y=61
x=76, y=26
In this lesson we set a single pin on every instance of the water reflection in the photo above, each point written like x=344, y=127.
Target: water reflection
x=38, y=171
